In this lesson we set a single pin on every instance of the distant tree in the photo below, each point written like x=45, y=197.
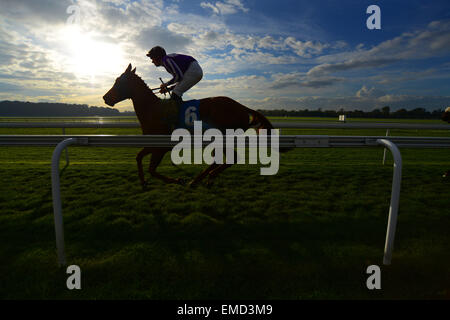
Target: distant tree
x=45, y=109
x=401, y=113
x=376, y=113
x=385, y=112
x=419, y=113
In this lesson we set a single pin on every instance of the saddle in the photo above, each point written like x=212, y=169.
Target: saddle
x=180, y=116
x=170, y=111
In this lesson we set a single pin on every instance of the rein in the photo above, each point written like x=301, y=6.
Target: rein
x=168, y=89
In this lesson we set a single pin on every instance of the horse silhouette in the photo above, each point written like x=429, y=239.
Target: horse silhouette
x=217, y=112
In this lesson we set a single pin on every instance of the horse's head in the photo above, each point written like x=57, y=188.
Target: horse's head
x=121, y=89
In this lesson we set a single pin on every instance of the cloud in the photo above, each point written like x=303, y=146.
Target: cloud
x=210, y=6
x=369, y=93
x=269, y=61
x=398, y=101
x=349, y=102
x=130, y=17
x=268, y=42
x=431, y=42
x=226, y=7
x=31, y=11
x=328, y=68
x=321, y=82
x=305, y=48
x=293, y=91
x=160, y=36
x=7, y=87
x=301, y=80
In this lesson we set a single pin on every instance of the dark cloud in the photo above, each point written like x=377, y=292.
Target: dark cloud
x=411, y=102
x=320, y=83
x=349, y=65
x=49, y=11
x=8, y=87
x=290, y=82
x=6, y=58
x=431, y=42
x=158, y=36
x=396, y=102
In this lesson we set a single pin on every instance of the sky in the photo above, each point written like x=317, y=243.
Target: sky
x=283, y=54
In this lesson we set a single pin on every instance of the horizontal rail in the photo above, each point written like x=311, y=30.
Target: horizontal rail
x=287, y=125
x=164, y=141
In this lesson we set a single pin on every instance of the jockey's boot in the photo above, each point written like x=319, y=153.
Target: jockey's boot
x=177, y=99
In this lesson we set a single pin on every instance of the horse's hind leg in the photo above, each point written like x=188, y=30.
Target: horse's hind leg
x=205, y=172
x=198, y=178
x=154, y=163
x=214, y=173
x=139, y=158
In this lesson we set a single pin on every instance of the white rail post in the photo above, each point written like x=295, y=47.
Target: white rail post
x=395, y=196
x=67, y=152
x=384, y=152
x=56, y=193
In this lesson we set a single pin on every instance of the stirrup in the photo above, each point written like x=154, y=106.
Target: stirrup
x=176, y=97
x=178, y=100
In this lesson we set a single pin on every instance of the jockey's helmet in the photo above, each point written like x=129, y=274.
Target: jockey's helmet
x=156, y=52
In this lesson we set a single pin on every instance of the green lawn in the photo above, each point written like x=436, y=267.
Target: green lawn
x=308, y=232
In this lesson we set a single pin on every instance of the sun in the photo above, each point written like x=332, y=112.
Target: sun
x=88, y=56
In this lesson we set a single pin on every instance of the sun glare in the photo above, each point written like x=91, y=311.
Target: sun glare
x=88, y=57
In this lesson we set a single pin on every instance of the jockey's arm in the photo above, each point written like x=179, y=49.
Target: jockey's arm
x=174, y=70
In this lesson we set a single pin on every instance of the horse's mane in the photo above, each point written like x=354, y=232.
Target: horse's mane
x=141, y=80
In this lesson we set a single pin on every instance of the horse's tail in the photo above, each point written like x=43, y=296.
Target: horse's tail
x=258, y=121
x=446, y=115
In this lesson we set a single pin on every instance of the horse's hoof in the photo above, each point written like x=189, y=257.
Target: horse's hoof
x=192, y=184
x=210, y=183
x=181, y=181
x=145, y=186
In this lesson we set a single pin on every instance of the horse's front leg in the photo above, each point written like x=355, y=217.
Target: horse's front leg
x=154, y=163
x=139, y=158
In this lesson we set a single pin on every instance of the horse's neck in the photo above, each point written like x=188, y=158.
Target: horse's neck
x=144, y=102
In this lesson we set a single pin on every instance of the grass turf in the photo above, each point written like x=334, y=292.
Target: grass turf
x=308, y=232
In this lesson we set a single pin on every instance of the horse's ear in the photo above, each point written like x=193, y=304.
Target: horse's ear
x=134, y=70
x=129, y=68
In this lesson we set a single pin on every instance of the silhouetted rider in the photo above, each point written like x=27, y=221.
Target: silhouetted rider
x=185, y=70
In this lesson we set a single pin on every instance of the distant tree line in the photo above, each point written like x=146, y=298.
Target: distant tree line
x=46, y=109
x=385, y=112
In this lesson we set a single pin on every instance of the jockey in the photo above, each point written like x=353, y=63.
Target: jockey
x=185, y=70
